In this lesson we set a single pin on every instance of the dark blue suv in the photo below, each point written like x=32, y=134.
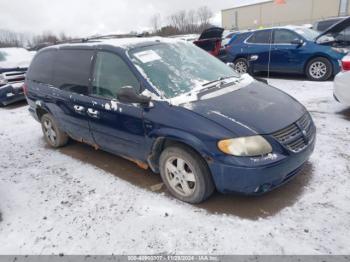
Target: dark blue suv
x=170, y=106
x=291, y=49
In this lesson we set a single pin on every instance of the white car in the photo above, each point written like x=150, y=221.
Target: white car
x=341, y=83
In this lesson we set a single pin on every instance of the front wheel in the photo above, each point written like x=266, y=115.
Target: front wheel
x=319, y=69
x=186, y=174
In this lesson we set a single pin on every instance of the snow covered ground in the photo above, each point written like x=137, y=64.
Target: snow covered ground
x=53, y=203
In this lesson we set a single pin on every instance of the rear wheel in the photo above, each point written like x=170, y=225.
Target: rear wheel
x=241, y=66
x=186, y=174
x=319, y=69
x=53, y=135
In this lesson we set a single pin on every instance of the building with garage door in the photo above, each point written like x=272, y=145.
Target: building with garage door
x=282, y=12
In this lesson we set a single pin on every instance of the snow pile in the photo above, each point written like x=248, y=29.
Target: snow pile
x=15, y=57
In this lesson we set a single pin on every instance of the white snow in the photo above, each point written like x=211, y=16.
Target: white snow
x=52, y=203
x=13, y=57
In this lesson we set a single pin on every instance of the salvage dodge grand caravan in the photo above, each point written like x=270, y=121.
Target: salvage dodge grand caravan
x=169, y=106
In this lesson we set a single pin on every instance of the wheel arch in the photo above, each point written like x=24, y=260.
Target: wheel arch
x=162, y=142
x=41, y=110
x=317, y=55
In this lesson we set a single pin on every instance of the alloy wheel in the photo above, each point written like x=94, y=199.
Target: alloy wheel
x=241, y=67
x=50, y=132
x=180, y=176
x=318, y=70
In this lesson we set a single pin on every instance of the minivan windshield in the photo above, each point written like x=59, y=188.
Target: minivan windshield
x=176, y=68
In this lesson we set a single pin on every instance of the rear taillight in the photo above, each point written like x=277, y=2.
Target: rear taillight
x=346, y=63
x=25, y=89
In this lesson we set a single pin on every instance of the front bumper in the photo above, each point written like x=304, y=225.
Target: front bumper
x=11, y=93
x=264, y=174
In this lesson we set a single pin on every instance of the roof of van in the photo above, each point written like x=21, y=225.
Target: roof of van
x=125, y=43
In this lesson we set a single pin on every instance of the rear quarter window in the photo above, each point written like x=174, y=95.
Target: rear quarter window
x=72, y=70
x=239, y=38
x=41, y=67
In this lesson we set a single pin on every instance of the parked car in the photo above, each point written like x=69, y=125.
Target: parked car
x=188, y=37
x=290, y=49
x=210, y=40
x=323, y=25
x=13, y=66
x=341, y=83
x=226, y=37
x=172, y=107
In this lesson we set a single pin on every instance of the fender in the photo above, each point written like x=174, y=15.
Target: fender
x=158, y=138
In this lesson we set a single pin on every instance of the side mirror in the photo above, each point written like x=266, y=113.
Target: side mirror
x=298, y=42
x=128, y=94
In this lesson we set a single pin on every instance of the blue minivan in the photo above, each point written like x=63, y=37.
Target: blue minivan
x=169, y=106
x=290, y=49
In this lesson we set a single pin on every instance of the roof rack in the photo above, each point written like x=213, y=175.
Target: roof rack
x=92, y=38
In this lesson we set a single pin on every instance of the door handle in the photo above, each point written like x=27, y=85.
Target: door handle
x=93, y=113
x=79, y=109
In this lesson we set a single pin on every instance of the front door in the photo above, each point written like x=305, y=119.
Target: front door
x=116, y=127
x=286, y=56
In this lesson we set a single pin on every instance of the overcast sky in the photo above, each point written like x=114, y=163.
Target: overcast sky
x=87, y=17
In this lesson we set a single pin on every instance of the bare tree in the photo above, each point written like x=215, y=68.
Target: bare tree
x=191, y=21
x=10, y=39
x=204, y=15
x=155, y=22
x=179, y=21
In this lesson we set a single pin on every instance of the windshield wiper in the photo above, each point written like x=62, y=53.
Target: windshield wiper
x=217, y=80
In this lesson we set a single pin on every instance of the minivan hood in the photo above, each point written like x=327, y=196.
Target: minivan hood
x=254, y=109
x=336, y=28
x=213, y=32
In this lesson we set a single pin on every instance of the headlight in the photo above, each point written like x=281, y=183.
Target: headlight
x=341, y=50
x=3, y=80
x=245, y=146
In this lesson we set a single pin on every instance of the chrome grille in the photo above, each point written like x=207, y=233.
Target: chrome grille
x=14, y=76
x=298, y=135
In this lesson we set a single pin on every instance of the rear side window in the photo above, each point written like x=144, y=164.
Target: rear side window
x=72, y=70
x=261, y=37
x=41, y=68
x=111, y=73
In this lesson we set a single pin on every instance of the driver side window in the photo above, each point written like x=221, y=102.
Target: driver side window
x=282, y=36
x=110, y=74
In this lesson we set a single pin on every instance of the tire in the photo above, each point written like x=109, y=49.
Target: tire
x=319, y=69
x=189, y=180
x=241, y=66
x=52, y=134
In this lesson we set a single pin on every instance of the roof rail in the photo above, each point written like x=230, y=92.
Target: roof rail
x=87, y=39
